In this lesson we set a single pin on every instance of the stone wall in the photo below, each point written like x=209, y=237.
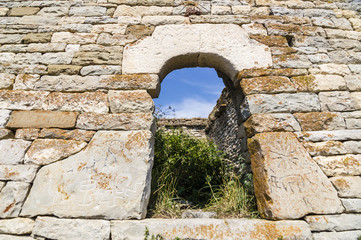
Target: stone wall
x=77, y=79
x=192, y=126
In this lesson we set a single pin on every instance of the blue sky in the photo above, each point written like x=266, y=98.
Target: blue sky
x=191, y=92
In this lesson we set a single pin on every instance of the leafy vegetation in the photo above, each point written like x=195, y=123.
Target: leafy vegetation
x=190, y=173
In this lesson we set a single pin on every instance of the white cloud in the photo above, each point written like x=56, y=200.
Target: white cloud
x=192, y=107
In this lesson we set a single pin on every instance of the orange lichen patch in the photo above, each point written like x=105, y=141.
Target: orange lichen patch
x=134, y=81
x=324, y=148
x=271, y=41
x=81, y=166
x=62, y=191
x=270, y=231
x=258, y=72
x=282, y=50
x=304, y=83
x=9, y=174
x=341, y=183
x=9, y=207
x=350, y=161
x=139, y=31
x=258, y=123
x=269, y=84
x=103, y=180
x=315, y=121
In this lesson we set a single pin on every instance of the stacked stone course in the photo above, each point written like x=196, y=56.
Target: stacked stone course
x=77, y=79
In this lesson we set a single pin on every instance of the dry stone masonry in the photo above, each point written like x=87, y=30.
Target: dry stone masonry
x=77, y=78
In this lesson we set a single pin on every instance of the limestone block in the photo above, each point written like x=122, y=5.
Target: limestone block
x=210, y=229
x=57, y=58
x=317, y=83
x=340, y=165
x=96, y=102
x=353, y=123
x=356, y=23
x=21, y=100
x=46, y=47
x=356, y=100
x=291, y=61
x=54, y=11
x=317, y=121
x=353, y=82
x=12, y=151
x=211, y=40
x=4, y=117
x=164, y=20
x=16, y=226
x=325, y=148
x=129, y=20
x=347, y=186
x=10, y=38
x=6, y=80
x=64, y=69
x=37, y=38
x=288, y=183
x=343, y=222
x=283, y=102
x=77, y=134
x=269, y=84
x=39, y=20
x=355, y=68
x=100, y=70
x=119, y=121
x=4, y=11
x=277, y=122
x=336, y=101
x=144, y=2
x=110, y=179
x=7, y=58
x=107, y=39
x=254, y=28
x=109, y=28
x=72, y=229
x=42, y=119
x=98, y=58
x=219, y=19
x=336, y=135
x=336, y=235
x=12, y=197
x=88, y=11
x=338, y=69
x=130, y=101
x=27, y=133
x=22, y=173
x=22, y=11
x=6, y=133
x=353, y=146
x=74, y=38
x=352, y=204
x=46, y=151
x=124, y=10
x=12, y=237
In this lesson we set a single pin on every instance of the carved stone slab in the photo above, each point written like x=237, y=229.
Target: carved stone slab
x=109, y=179
x=288, y=183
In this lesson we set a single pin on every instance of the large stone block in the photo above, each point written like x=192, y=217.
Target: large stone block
x=352, y=204
x=21, y=173
x=343, y=222
x=16, y=226
x=12, y=151
x=269, y=84
x=349, y=187
x=317, y=121
x=12, y=197
x=325, y=148
x=336, y=135
x=130, y=101
x=110, y=179
x=56, y=133
x=46, y=151
x=22, y=100
x=336, y=101
x=340, y=165
x=337, y=235
x=221, y=229
x=74, y=38
x=71, y=229
x=288, y=183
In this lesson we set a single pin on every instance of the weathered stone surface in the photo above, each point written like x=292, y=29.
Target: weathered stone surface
x=46, y=151
x=97, y=58
x=27, y=133
x=22, y=173
x=285, y=175
x=269, y=84
x=331, y=68
x=72, y=229
x=77, y=134
x=6, y=80
x=353, y=146
x=336, y=235
x=198, y=214
x=343, y=222
x=130, y=101
x=113, y=174
x=100, y=70
x=124, y=10
x=16, y=226
x=352, y=123
x=12, y=197
x=317, y=121
x=325, y=148
x=12, y=237
x=6, y=133
x=42, y=119
x=340, y=165
x=63, y=69
x=120, y=121
x=283, y=102
x=4, y=117
x=22, y=11
x=87, y=11
x=347, y=186
x=37, y=38
x=337, y=135
x=319, y=82
x=211, y=229
x=278, y=122
x=151, y=54
x=74, y=38
x=12, y=151
x=352, y=204
x=21, y=100
x=96, y=102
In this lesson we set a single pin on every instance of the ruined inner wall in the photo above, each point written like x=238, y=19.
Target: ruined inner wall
x=76, y=125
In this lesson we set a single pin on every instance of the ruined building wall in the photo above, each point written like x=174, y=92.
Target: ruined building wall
x=77, y=79
x=192, y=126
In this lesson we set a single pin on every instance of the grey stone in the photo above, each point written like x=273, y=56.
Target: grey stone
x=22, y=173
x=198, y=214
x=353, y=82
x=100, y=70
x=349, y=187
x=343, y=222
x=353, y=146
x=352, y=204
x=12, y=197
x=349, y=165
x=4, y=117
x=336, y=101
x=16, y=226
x=12, y=151
x=336, y=135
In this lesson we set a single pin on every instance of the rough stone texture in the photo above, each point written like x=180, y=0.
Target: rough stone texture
x=336, y=101
x=21, y=100
x=77, y=134
x=12, y=197
x=336, y=235
x=340, y=165
x=343, y=222
x=11, y=237
x=119, y=121
x=27, y=133
x=12, y=151
x=46, y=151
x=6, y=133
x=42, y=119
x=130, y=101
x=16, y=226
x=150, y=54
x=211, y=229
x=53, y=228
x=318, y=121
x=22, y=173
x=326, y=148
x=337, y=135
x=6, y=80
x=269, y=84
x=285, y=175
x=4, y=117
x=110, y=179
x=352, y=205
x=348, y=186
